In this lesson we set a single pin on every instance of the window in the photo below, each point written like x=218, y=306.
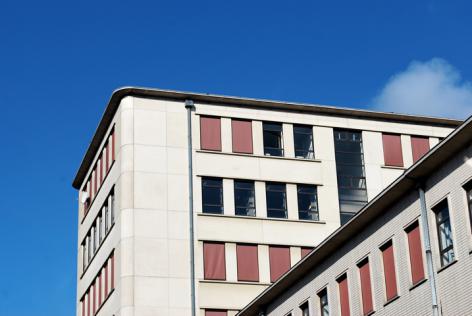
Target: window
x=212, y=195
x=241, y=132
x=210, y=133
x=416, y=253
x=247, y=262
x=303, y=141
x=244, y=198
x=214, y=261
x=366, y=287
x=276, y=198
x=419, y=147
x=215, y=312
x=443, y=227
x=392, y=149
x=468, y=191
x=279, y=261
x=307, y=202
x=324, y=304
x=344, y=295
x=352, y=189
x=106, y=212
x=389, y=270
x=305, y=309
x=100, y=227
x=306, y=250
x=273, y=145
x=112, y=208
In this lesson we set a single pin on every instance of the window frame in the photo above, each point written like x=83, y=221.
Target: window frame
x=320, y=294
x=468, y=196
x=305, y=307
x=382, y=248
x=411, y=259
x=252, y=190
x=284, y=192
x=442, y=249
x=308, y=212
x=221, y=194
x=363, y=287
x=310, y=153
x=269, y=127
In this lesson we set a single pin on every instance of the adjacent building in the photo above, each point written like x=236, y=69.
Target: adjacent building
x=266, y=182
x=407, y=252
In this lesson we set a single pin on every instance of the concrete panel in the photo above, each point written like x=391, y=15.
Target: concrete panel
x=150, y=127
x=226, y=295
x=150, y=190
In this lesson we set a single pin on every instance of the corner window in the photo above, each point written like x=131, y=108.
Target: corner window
x=212, y=195
x=443, y=227
x=273, y=145
x=244, y=198
x=303, y=141
x=324, y=304
x=468, y=191
x=276, y=198
x=307, y=202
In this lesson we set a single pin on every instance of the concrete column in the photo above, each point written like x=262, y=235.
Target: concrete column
x=231, y=262
x=295, y=255
x=406, y=151
x=261, y=207
x=257, y=138
x=292, y=202
x=264, y=267
x=226, y=139
x=228, y=196
x=288, y=144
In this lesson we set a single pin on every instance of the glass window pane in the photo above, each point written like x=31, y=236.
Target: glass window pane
x=244, y=197
x=276, y=200
x=273, y=139
x=212, y=195
x=303, y=141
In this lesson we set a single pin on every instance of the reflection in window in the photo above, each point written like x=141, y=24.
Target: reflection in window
x=273, y=145
x=324, y=306
x=303, y=140
x=212, y=195
x=307, y=202
x=276, y=198
x=305, y=310
x=352, y=187
x=244, y=198
x=443, y=226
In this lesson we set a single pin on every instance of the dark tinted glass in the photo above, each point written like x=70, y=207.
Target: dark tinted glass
x=468, y=191
x=443, y=226
x=273, y=139
x=276, y=199
x=303, y=140
x=307, y=202
x=212, y=195
x=324, y=307
x=244, y=198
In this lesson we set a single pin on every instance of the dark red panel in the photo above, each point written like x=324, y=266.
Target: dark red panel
x=107, y=158
x=248, y=264
x=105, y=268
x=210, y=133
x=389, y=271
x=419, y=146
x=112, y=274
x=83, y=306
x=215, y=312
x=242, y=136
x=214, y=261
x=94, y=298
x=306, y=250
x=416, y=253
x=366, y=288
x=100, y=289
x=344, y=296
x=113, y=145
x=101, y=170
x=88, y=302
x=279, y=259
x=392, y=148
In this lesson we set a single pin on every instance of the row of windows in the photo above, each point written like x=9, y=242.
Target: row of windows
x=99, y=171
x=99, y=230
x=245, y=199
x=392, y=148
x=247, y=261
x=100, y=289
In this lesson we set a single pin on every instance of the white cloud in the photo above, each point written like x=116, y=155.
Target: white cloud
x=431, y=88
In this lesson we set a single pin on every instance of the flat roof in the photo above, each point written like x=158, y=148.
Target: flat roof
x=120, y=93
x=459, y=139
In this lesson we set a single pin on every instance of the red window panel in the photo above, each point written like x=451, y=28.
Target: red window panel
x=112, y=145
x=107, y=157
x=241, y=136
x=90, y=189
x=306, y=250
x=419, y=146
x=247, y=262
x=389, y=271
x=344, y=296
x=95, y=186
x=416, y=253
x=214, y=261
x=279, y=261
x=210, y=133
x=88, y=302
x=215, y=312
x=105, y=268
x=100, y=289
x=392, y=148
x=82, y=303
x=366, y=287
x=112, y=274
x=94, y=302
x=101, y=170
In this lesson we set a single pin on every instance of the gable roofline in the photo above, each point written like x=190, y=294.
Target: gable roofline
x=121, y=93
x=410, y=179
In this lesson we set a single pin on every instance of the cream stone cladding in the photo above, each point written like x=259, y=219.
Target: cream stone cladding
x=454, y=282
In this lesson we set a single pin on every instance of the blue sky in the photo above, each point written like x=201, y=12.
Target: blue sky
x=61, y=60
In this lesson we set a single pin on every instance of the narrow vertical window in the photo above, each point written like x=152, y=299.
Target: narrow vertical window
x=112, y=273
x=107, y=157
x=468, y=192
x=415, y=252
x=214, y=261
x=324, y=303
x=100, y=227
x=82, y=304
x=303, y=141
x=307, y=202
x=241, y=131
x=100, y=288
x=244, y=198
x=276, y=198
x=88, y=302
x=247, y=263
x=273, y=144
x=279, y=261
x=105, y=269
x=210, y=133
x=419, y=147
x=306, y=250
x=390, y=275
x=95, y=182
x=366, y=286
x=89, y=248
x=84, y=256
x=344, y=295
x=107, y=216
x=212, y=195
x=305, y=309
x=94, y=299
x=101, y=169
x=113, y=145
x=392, y=149
x=215, y=312
x=112, y=208
x=443, y=227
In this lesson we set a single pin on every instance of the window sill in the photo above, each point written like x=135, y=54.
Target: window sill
x=393, y=167
x=447, y=265
x=260, y=218
x=414, y=286
x=235, y=282
x=256, y=156
x=391, y=300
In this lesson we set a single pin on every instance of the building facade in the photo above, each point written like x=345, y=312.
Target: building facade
x=408, y=252
x=269, y=182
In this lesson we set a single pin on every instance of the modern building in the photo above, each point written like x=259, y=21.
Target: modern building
x=407, y=252
x=267, y=181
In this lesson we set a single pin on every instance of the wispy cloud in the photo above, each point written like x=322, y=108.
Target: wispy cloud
x=433, y=88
